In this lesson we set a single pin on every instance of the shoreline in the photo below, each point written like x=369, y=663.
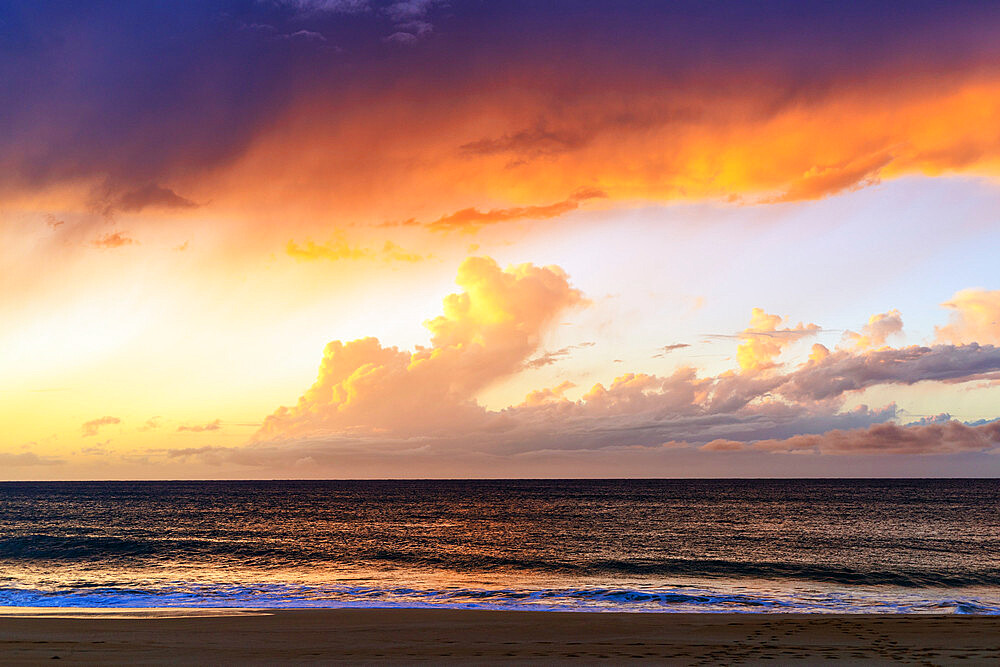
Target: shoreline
x=482, y=636
x=204, y=612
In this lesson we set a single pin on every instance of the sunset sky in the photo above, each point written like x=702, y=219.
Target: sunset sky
x=417, y=238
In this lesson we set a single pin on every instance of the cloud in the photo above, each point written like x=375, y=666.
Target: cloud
x=388, y=411
x=200, y=428
x=514, y=106
x=472, y=219
x=94, y=425
x=25, y=459
x=410, y=19
x=819, y=182
x=975, y=317
x=878, y=330
x=393, y=253
x=720, y=445
x=735, y=142
x=113, y=240
x=818, y=352
x=307, y=35
x=151, y=196
x=271, y=32
x=335, y=249
x=338, y=248
x=408, y=16
x=844, y=371
x=329, y=6
x=626, y=426
x=409, y=10
x=399, y=11
x=486, y=333
x=547, y=395
x=548, y=358
x=151, y=424
x=667, y=349
x=763, y=341
x=403, y=38
x=937, y=438
x=528, y=143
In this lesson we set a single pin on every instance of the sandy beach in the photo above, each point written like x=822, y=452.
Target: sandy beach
x=410, y=635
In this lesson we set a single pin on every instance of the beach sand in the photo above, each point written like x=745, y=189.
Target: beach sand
x=441, y=635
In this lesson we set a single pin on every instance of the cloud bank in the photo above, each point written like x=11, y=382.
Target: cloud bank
x=495, y=113
x=373, y=405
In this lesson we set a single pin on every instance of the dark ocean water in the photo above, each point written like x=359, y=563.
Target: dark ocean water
x=628, y=545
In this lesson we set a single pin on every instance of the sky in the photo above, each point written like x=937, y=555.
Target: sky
x=437, y=239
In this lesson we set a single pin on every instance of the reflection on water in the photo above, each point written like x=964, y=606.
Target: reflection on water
x=638, y=545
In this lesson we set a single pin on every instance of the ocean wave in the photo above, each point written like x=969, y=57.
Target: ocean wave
x=909, y=578
x=291, y=596
x=144, y=549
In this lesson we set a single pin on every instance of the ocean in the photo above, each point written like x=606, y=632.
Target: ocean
x=759, y=546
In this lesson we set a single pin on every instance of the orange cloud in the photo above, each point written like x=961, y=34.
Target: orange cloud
x=647, y=105
x=819, y=181
x=721, y=445
x=113, y=240
x=485, y=159
x=470, y=220
x=338, y=248
x=975, y=317
x=513, y=152
x=334, y=249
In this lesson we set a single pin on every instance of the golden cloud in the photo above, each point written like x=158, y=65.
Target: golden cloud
x=975, y=317
x=487, y=332
x=763, y=341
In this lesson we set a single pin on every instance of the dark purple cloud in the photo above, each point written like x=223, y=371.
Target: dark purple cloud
x=144, y=92
x=844, y=371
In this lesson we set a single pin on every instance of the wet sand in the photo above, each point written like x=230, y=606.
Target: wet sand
x=440, y=635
